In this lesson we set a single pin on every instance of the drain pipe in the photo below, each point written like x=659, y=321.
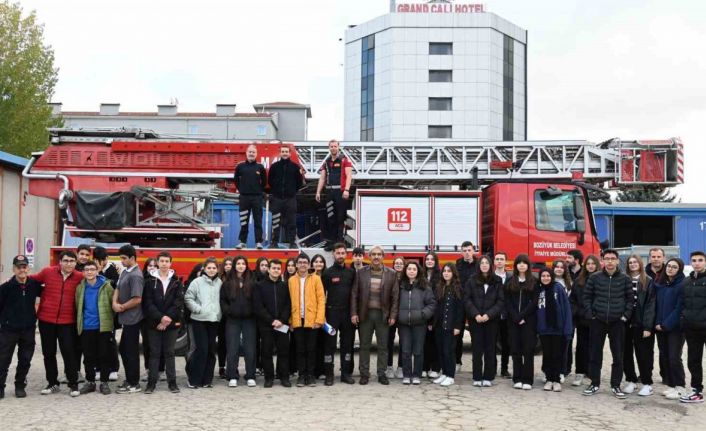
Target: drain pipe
x=64, y=196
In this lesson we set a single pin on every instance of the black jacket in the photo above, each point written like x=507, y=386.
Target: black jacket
x=250, y=178
x=478, y=302
x=693, y=316
x=271, y=302
x=465, y=270
x=285, y=179
x=17, y=301
x=156, y=303
x=237, y=305
x=643, y=316
x=449, y=313
x=522, y=304
x=651, y=272
x=338, y=283
x=111, y=273
x=578, y=310
x=416, y=305
x=608, y=298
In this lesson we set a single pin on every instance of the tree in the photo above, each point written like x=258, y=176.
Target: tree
x=646, y=194
x=27, y=80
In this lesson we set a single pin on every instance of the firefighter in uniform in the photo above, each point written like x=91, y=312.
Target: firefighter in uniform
x=338, y=282
x=336, y=176
x=250, y=179
x=285, y=178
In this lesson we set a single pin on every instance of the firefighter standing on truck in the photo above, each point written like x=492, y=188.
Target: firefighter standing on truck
x=285, y=178
x=250, y=179
x=336, y=175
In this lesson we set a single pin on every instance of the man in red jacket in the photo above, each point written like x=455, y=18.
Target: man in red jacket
x=57, y=321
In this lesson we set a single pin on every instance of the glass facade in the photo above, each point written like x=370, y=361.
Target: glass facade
x=441, y=48
x=440, y=104
x=439, y=132
x=508, y=87
x=367, y=89
x=440, y=76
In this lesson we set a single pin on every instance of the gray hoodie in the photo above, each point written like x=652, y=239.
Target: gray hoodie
x=416, y=305
x=202, y=298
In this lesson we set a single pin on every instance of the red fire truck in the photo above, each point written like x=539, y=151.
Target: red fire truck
x=133, y=186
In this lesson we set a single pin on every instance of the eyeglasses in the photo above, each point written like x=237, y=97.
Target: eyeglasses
x=68, y=261
x=673, y=266
x=610, y=258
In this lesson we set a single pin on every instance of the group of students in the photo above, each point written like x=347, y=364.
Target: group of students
x=300, y=310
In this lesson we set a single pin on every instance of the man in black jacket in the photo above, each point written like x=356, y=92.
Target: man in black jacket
x=608, y=300
x=18, y=320
x=338, y=283
x=107, y=269
x=656, y=266
x=272, y=306
x=163, y=304
x=285, y=178
x=250, y=179
x=694, y=323
x=466, y=267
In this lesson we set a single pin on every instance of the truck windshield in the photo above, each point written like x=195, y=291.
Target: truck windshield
x=554, y=212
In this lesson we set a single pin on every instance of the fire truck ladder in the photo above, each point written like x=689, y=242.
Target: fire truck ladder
x=442, y=163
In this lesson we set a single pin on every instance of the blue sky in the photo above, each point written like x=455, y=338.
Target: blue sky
x=596, y=70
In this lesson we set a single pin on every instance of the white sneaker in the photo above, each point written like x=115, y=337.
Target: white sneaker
x=668, y=391
x=424, y=373
x=113, y=377
x=433, y=374
x=74, y=392
x=258, y=246
x=556, y=387
x=240, y=245
x=477, y=383
x=561, y=378
x=390, y=373
x=233, y=383
x=517, y=385
x=678, y=392
x=578, y=380
x=399, y=373
x=406, y=381
x=251, y=383
x=416, y=381
x=526, y=387
x=548, y=386
x=646, y=391
x=439, y=379
x=487, y=383
x=448, y=381
x=629, y=388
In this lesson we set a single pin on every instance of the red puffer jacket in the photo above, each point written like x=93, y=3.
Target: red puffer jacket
x=57, y=303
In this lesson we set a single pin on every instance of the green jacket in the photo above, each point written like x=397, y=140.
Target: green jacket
x=105, y=308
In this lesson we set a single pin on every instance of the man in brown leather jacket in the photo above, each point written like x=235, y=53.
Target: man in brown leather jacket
x=374, y=306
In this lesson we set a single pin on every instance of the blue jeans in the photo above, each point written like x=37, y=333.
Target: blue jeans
x=234, y=329
x=412, y=346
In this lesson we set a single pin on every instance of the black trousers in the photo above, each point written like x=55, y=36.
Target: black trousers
x=485, y=362
x=504, y=339
x=567, y=358
x=431, y=354
x=459, y=347
x=222, y=350
x=335, y=207
x=145, y=334
x=446, y=348
x=284, y=215
x=695, y=344
x=23, y=339
x=391, y=347
x=130, y=353
x=553, y=347
x=67, y=337
x=114, y=354
x=161, y=347
x=251, y=204
x=340, y=319
x=616, y=336
x=97, y=354
x=671, y=345
x=306, y=350
x=583, y=351
x=200, y=366
x=412, y=349
x=644, y=351
x=272, y=339
x=523, y=339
